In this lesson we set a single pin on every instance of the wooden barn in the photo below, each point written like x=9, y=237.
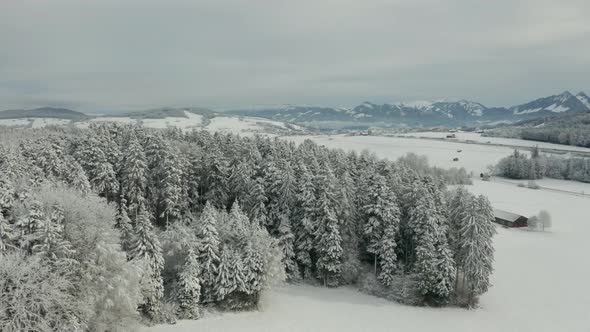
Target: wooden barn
x=509, y=219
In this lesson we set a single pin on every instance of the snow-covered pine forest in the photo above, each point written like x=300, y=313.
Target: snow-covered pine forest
x=115, y=225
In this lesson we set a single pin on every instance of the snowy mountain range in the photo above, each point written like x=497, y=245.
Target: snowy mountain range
x=423, y=113
x=450, y=113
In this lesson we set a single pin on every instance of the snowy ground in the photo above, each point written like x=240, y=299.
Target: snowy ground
x=475, y=137
x=43, y=122
x=242, y=125
x=473, y=157
x=14, y=122
x=34, y=122
x=540, y=279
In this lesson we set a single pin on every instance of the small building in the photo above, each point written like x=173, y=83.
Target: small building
x=509, y=219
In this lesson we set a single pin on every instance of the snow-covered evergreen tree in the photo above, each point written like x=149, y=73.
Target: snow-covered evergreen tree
x=230, y=276
x=433, y=261
x=7, y=192
x=286, y=242
x=105, y=180
x=208, y=251
x=475, y=251
x=305, y=217
x=28, y=225
x=49, y=240
x=6, y=234
x=256, y=202
x=171, y=193
x=253, y=270
x=124, y=225
x=189, y=287
x=382, y=213
x=134, y=175
x=329, y=244
x=146, y=248
x=76, y=176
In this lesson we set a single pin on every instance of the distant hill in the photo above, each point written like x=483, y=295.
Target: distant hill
x=160, y=113
x=44, y=112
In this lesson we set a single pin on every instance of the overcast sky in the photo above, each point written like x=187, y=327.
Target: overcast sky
x=119, y=54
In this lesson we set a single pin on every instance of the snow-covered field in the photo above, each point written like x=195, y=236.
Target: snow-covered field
x=540, y=279
x=475, y=137
x=34, y=122
x=14, y=122
x=243, y=125
x=43, y=122
x=473, y=157
x=192, y=120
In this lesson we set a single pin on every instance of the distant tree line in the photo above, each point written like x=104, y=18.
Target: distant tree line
x=520, y=166
x=571, y=129
x=129, y=222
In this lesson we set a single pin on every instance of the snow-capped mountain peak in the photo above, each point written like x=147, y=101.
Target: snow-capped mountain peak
x=564, y=102
x=584, y=99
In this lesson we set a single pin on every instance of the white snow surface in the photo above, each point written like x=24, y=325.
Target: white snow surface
x=526, y=111
x=540, y=283
x=243, y=125
x=558, y=108
x=42, y=122
x=473, y=157
x=34, y=122
x=15, y=122
x=584, y=100
x=476, y=137
x=191, y=120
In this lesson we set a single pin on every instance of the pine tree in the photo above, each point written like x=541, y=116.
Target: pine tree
x=105, y=180
x=434, y=263
x=7, y=192
x=381, y=212
x=457, y=208
x=172, y=187
x=286, y=242
x=6, y=234
x=476, y=253
x=76, y=176
x=208, y=251
x=146, y=247
x=125, y=226
x=253, y=270
x=193, y=178
x=389, y=262
x=189, y=287
x=305, y=216
x=230, y=276
x=329, y=244
x=256, y=202
x=134, y=175
x=239, y=221
x=28, y=225
x=216, y=179
x=49, y=240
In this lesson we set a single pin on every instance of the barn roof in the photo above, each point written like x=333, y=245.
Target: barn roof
x=505, y=215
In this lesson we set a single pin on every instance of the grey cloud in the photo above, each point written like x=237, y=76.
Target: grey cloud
x=99, y=54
